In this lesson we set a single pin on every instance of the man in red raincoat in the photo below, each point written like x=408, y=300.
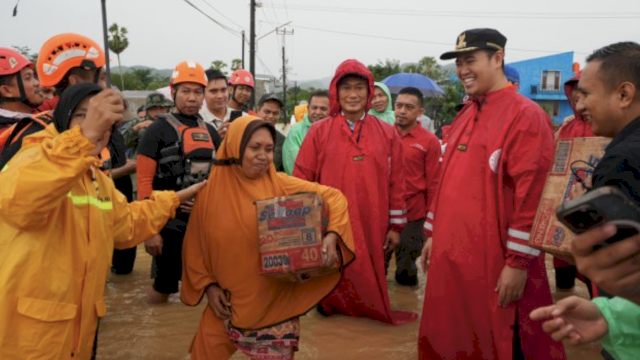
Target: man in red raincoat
x=362, y=156
x=483, y=277
x=574, y=127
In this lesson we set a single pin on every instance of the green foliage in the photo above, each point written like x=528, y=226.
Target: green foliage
x=381, y=70
x=236, y=64
x=140, y=79
x=118, y=41
x=219, y=65
x=295, y=95
x=442, y=109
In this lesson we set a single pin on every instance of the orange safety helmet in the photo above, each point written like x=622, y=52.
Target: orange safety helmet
x=241, y=77
x=64, y=52
x=188, y=71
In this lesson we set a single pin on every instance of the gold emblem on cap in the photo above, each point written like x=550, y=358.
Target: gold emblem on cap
x=462, y=42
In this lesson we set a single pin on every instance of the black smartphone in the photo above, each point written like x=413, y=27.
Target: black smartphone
x=234, y=115
x=604, y=205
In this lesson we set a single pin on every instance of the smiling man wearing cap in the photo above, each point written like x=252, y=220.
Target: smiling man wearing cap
x=484, y=278
x=269, y=109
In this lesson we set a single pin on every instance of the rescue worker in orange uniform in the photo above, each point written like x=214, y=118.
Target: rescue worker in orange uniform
x=60, y=218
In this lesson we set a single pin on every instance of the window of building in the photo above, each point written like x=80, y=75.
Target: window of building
x=550, y=80
x=551, y=107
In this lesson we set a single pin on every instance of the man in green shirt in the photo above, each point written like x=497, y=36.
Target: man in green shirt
x=318, y=110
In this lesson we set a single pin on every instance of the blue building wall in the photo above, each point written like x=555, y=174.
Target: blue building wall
x=531, y=79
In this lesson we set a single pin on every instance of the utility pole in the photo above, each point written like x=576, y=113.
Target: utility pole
x=243, y=41
x=252, y=48
x=284, y=32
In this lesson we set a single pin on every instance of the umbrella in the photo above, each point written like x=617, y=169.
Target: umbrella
x=428, y=87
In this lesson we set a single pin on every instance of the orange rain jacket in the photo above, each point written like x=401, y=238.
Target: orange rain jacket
x=59, y=222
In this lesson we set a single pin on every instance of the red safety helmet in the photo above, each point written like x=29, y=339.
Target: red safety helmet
x=64, y=52
x=241, y=77
x=11, y=63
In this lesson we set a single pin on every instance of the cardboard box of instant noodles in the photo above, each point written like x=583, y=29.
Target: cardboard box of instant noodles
x=290, y=230
x=575, y=157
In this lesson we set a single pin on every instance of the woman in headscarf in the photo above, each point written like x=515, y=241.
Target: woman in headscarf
x=60, y=218
x=382, y=104
x=255, y=314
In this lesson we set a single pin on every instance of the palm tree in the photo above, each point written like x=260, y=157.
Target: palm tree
x=236, y=64
x=430, y=68
x=219, y=65
x=118, y=42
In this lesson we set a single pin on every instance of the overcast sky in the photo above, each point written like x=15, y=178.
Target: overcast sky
x=165, y=32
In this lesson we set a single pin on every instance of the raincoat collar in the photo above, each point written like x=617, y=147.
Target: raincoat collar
x=349, y=67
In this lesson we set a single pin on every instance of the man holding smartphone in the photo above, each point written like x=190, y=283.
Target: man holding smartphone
x=216, y=96
x=610, y=101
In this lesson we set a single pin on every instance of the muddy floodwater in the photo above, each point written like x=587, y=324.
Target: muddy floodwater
x=134, y=330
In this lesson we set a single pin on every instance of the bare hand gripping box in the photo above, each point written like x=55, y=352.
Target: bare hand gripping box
x=290, y=230
x=583, y=155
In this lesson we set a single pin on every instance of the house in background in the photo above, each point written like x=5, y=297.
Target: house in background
x=542, y=80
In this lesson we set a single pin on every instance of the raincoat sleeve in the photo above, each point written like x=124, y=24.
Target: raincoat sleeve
x=432, y=166
x=622, y=340
x=397, y=204
x=337, y=206
x=528, y=155
x=290, y=149
x=306, y=163
x=197, y=270
x=41, y=175
x=138, y=221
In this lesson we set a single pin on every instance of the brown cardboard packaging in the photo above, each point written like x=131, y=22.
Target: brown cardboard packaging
x=290, y=230
x=547, y=233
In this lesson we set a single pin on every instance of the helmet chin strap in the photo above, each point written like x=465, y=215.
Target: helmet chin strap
x=233, y=96
x=23, y=94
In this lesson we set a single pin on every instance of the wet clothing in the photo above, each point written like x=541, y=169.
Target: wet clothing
x=167, y=267
x=291, y=146
x=60, y=218
x=388, y=115
x=421, y=154
x=622, y=340
x=421, y=157
x=225, y=210
x=492, y=176
x=366, y=165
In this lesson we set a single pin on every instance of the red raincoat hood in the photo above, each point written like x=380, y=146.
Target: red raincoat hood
x=349, y=67
x=568, y=89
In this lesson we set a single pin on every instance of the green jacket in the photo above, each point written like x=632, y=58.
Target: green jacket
x=388, y=116
x=623, y=317
x=292, y=145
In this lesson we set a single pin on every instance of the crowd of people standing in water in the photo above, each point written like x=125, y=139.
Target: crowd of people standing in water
x=463, y=205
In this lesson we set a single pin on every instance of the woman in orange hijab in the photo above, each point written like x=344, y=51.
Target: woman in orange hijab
x=255, y=314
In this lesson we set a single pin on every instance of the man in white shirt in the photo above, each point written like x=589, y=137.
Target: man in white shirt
x=216, y=96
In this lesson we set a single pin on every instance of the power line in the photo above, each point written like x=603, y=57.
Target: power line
x=459, y=14
x=223, y=15
x=415, y=41
x=228, y=29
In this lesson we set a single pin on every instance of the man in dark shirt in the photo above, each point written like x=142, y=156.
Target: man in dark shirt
x=155, y=152
x=609, y=98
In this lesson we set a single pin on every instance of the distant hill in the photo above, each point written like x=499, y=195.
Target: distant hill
x=317, y=84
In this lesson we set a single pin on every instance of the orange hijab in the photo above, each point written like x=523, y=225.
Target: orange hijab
x=221, y=245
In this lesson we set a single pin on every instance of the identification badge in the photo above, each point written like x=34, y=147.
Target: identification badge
x=462, y=147
x=198, y=136
x=358, y=158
